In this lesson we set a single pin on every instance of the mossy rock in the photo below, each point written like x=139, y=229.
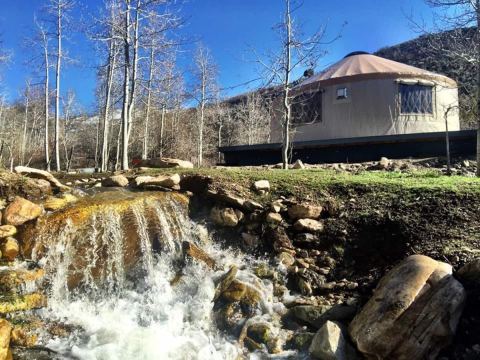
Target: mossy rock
x=9, y=304
x=260, y=332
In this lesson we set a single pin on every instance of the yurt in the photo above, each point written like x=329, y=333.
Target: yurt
x=366, y=95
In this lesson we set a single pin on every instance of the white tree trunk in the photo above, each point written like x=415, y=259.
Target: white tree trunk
x=106, y=110
x=57, y=86
x=126, y=87
x=149, y=99
x=286, y=90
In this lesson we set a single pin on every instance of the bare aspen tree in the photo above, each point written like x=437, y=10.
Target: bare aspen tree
x=455, y=15
x=25, y=122
x=68, y=109
x=126, y=82
x=59, y=10
x=204, y=92
x=110, y=28
x=280, y=66
x=43, y=39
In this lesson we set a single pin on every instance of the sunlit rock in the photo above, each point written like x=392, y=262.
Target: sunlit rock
x=20, y=211
x=413, y=312
x=41, y=174
x=9, y=248
x=7, y=230
x=56, y=203
x=304, y=211
x=5, y=333
x=115, y=181
x=330, y=343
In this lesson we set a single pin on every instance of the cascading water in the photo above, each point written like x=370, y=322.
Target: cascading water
x=110, y=266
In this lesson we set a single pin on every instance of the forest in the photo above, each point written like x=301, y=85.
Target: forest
x=144, y=105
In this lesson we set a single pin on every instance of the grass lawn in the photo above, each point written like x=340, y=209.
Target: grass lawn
x=296, y=182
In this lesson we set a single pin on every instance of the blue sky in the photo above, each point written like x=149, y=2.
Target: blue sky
x=228, y=27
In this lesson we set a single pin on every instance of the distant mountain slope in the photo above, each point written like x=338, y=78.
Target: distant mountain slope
x=417, y=52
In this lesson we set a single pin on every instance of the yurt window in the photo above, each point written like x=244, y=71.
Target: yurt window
x=342, y=93
x=416, y=99
x=307, y=108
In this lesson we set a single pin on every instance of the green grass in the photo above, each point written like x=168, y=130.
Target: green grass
x=307, y=181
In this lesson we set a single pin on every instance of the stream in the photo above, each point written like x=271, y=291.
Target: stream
x=110, y=261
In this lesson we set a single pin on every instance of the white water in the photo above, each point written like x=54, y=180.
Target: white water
x=138, y=317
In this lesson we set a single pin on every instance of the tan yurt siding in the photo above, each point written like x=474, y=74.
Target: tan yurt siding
x=372, y=107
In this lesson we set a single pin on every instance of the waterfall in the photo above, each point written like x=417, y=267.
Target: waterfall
x=109, y=267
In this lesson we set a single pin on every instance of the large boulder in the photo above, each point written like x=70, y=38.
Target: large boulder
x=167, y=181
x=115, y=181
x=330, y=343
x=167, y=163
x=470, y=272
x=413, y=312
x=21, y=210
x=41, y=174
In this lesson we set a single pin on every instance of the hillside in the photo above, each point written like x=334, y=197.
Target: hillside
x=419, y=53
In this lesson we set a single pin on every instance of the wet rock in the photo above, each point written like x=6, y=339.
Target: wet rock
x=303, y=211
x=22, y=337
x=225, y=281
x=235, y=291
x=250, y=239
x=470, y=272
x=301, y=341
x=316, y=316
x=286, y=259
x=41, y=174
x=308, y=225
x=252, y=345
x=274, y=218
x=115, y=181
x=5, y=333
x=7, y=230
x=167, y=163
x=261, y=186
x=224, y=216
x=263, y=271
x=330, y=343
x=57, y=203
x=13, y=303
x=18, y=281
x=413, y=312
x=161, y=180
x=228, y=317
x=259, y=332
x=20, y=211
x=298, y=165
x=9, y=248
x=193, y=251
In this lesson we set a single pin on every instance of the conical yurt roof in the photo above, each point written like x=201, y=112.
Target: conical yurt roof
x=364, y=66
